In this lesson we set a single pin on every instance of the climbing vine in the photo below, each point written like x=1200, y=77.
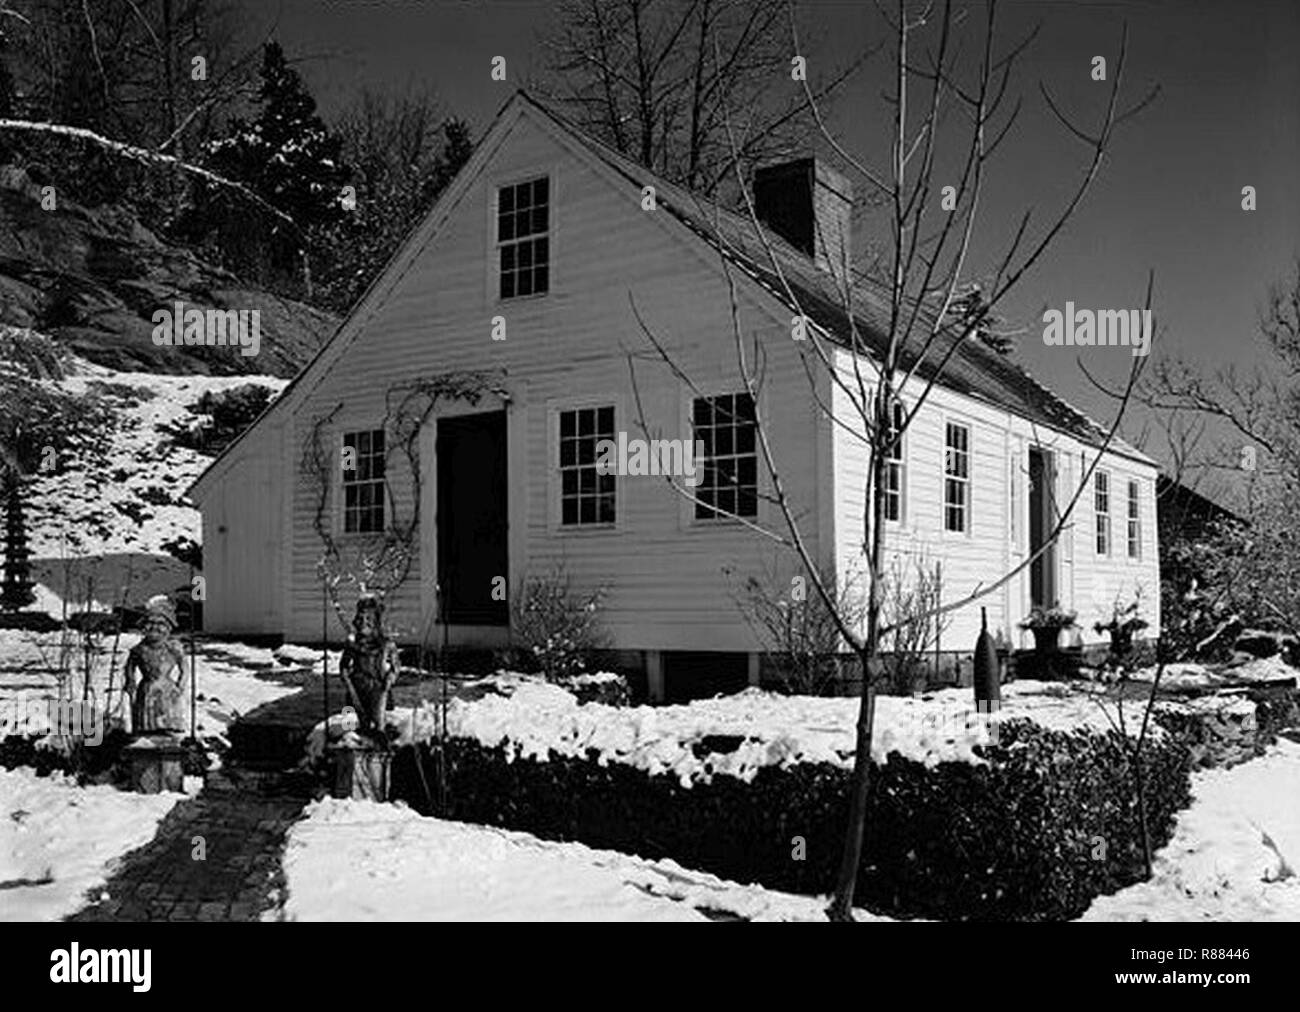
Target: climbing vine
x=380, y=563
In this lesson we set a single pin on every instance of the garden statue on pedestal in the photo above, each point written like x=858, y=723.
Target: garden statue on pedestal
x=157, y=699
x=369, y=667
x=362, y=759
x=155, y=686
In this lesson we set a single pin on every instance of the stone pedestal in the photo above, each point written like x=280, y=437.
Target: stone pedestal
x=361, y=771
x=156, y=763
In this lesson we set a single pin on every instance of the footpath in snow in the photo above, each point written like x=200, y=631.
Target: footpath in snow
x=57, y=840
x=1235, y=854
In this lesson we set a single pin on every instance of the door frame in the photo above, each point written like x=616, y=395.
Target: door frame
x=516, y=505
x=1050, y=563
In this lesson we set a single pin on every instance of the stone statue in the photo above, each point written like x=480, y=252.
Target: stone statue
x=158, y=698
x=369, y=666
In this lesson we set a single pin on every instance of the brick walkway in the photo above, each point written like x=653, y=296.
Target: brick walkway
x=242, y=817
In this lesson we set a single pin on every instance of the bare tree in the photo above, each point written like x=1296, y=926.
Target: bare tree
x=1237, y=432
x=654, y=79
x=913, y=287
x=1255, y=414
x=150, y=75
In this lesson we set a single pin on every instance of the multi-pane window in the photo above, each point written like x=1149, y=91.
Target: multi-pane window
x=726, y=426
x=1101, y=506
x=956, y=478
x=586, y=496
x=1134, y=523
x=894, y=465
x=523, y=221
x=363, y=481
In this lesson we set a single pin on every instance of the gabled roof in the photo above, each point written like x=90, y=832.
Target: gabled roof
x=973, y=370
x=416, y=239
x=1186, y=507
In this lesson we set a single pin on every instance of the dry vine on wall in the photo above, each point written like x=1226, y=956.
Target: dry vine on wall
x=381, y=562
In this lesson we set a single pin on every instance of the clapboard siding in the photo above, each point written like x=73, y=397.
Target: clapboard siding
x=666, y=580
x=998, y=538
x=670, y=582
x=243, y=539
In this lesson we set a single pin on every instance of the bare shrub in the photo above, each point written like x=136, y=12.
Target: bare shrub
x=909, y=606
x=798, y=630
x=557, y=628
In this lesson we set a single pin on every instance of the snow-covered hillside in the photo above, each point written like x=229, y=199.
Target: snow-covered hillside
x=99, y=523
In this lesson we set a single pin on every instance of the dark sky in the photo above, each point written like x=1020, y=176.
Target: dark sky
x=1168, y=199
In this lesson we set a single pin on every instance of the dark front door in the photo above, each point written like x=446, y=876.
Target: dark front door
x=472, y=557
x=1042, y=521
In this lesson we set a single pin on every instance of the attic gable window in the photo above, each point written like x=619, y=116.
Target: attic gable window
x=523, y=241
x=726, y=426
x=363, y=482
x=956, y=478
x=586, y=495
x=1101, y=506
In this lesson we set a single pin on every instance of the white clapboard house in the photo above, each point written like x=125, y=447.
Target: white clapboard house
x=542, y=265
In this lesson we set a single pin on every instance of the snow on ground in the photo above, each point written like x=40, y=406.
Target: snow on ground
x=57, y=840
x=361, y=861
x=1190, y=675
x=534, y=719
x=1235, y=854
x=107, y=520
x=227, y=686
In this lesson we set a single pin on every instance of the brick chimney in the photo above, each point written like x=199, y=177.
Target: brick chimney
x=810, y=205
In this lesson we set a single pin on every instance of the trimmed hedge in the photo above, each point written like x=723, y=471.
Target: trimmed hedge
x=1036, y=834
x=89, y=763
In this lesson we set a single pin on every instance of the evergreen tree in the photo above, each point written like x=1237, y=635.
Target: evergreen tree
x=287, y=154
x=289, y=157
x=39, y=420
x=403, y=164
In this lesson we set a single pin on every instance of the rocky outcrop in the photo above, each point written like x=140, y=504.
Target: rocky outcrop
x=92, y=278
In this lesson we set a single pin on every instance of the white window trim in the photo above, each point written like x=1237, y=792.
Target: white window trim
x=1131, y=486
x=969, y=425
x=687, y=520
x=554, y=408
x=903, y=498
x=1098, y=514
x=335, y=485
x=493, y=273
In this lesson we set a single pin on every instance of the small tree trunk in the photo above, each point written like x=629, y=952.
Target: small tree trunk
x=841, y=908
